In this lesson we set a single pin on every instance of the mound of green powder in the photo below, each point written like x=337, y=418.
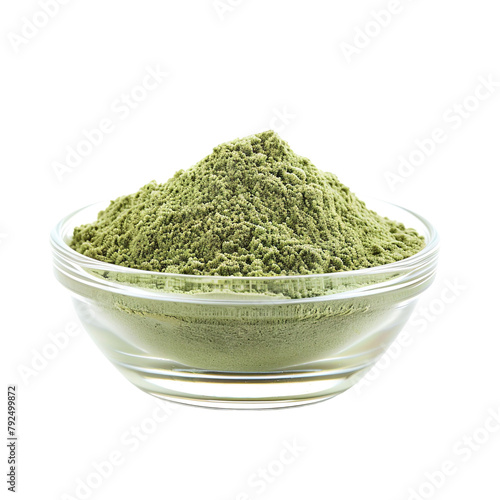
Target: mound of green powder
x=251, y=208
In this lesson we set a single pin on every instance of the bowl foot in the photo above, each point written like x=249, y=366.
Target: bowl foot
x=247, y=391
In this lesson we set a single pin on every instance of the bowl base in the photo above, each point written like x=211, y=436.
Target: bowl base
x=243, y=391
x=244, y=405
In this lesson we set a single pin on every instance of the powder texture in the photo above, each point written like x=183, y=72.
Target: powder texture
x=251, y=208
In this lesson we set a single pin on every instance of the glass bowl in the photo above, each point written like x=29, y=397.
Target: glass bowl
x=239, y=342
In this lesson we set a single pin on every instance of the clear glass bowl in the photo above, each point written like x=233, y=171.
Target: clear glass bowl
x=237, y=342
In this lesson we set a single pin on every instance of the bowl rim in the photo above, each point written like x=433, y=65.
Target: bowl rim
x=81, y=261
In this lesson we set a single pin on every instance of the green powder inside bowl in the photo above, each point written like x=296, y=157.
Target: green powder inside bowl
x=251, y=208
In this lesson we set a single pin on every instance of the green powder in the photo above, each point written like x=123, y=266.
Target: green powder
x=251, y=208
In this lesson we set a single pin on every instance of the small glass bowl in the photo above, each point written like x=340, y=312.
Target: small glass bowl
x=239, y=342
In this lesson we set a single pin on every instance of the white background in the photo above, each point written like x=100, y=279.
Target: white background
x=234, y=71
